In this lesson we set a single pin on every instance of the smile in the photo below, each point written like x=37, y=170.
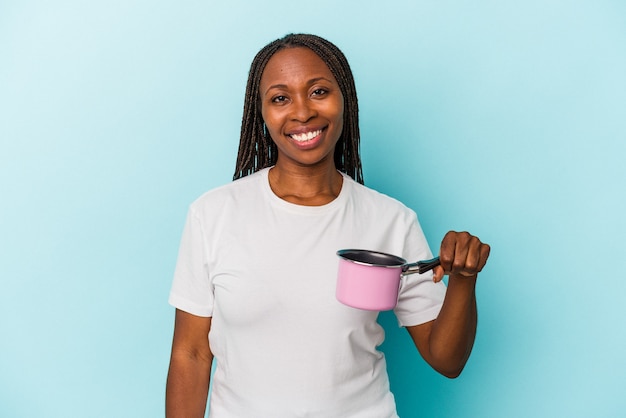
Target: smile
x=307, y=136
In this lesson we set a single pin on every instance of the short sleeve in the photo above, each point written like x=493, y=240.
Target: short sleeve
x=191, y=290
x=420, y=299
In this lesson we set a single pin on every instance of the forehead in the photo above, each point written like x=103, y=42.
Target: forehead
x=295, y=64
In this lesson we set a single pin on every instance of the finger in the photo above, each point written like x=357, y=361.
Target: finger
x=474, y=255
x=464, y=242
x=447, y=250
x=438, y=274
x=485, y=250
x=462, y=253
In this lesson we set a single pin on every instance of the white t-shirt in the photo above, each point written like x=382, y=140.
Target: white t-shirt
x=265, y=270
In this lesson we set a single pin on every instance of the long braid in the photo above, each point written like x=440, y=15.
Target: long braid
x=256, y=148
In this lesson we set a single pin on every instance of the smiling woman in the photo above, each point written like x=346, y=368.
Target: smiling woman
x=257, y=150
x=302, y=106
x=255, y=282
x=302, y=103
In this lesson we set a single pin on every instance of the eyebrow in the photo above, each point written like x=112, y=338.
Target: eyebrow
x=284, y=86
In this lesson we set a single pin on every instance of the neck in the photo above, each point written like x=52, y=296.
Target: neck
x=306, y=186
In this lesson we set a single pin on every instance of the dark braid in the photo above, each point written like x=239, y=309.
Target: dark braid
x=256, y=148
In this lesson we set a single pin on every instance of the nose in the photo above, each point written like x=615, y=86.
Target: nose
x=302, y=110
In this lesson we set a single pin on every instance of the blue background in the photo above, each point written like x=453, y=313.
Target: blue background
x=507, y=119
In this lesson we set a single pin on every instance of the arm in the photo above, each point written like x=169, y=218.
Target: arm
x=190, y=367
x=446, y=342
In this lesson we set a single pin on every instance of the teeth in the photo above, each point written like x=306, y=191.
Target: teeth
x=306, y=136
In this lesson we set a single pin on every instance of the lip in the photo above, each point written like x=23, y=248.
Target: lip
x=308, y=144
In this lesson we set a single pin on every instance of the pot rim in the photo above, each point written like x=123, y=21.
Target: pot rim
x=398, y=262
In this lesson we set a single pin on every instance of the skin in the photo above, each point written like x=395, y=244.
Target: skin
x=299, y=94
x=446, y=342
x=190, y=367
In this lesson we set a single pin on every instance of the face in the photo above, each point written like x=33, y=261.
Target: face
x=302, y=106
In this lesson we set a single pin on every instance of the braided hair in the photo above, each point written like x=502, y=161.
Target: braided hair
x=256, y=148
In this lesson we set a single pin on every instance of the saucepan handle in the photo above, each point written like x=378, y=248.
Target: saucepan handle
x=420, y=266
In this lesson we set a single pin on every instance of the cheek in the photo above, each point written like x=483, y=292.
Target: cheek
x=272, y=125
x=264, y=115
x=339, y=117
x=341, y=109
x=267, y=119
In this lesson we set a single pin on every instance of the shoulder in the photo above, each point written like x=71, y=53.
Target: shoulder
x=237, y=193
x=373, y=200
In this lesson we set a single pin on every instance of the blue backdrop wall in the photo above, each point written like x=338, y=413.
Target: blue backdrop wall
x=503, y=118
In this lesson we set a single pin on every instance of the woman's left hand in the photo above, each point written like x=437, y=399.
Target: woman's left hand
x=461, y=254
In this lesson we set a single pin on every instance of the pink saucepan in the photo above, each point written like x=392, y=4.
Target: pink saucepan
x=370, y=279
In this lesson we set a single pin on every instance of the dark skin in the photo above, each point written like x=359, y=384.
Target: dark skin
x=446, y=342
x=190, y=367
x=302, y=107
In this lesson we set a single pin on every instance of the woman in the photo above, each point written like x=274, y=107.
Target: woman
x=255, y=280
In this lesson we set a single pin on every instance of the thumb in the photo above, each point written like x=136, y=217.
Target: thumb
x=438, y=274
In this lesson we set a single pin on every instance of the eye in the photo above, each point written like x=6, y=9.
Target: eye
x=279, y=99
x=320, y=92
